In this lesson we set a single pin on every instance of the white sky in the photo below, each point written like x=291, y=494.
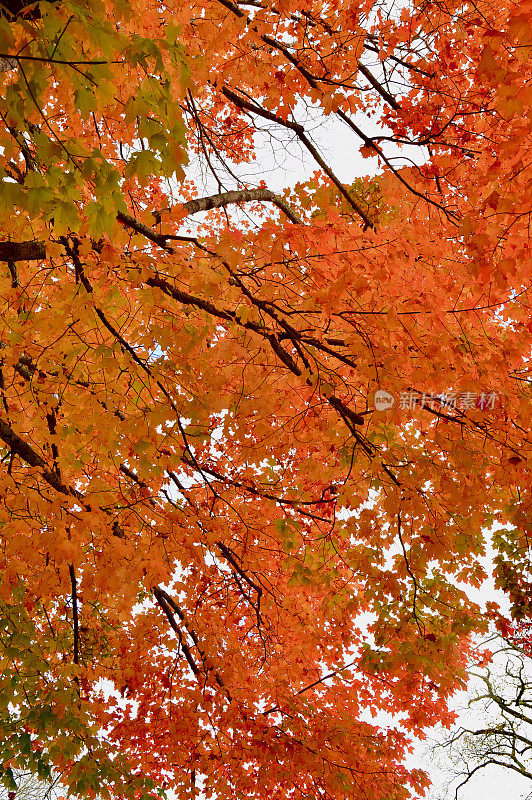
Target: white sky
x=284, y=161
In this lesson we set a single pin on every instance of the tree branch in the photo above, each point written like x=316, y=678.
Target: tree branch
x=22, y=251
x=74, y=612
x=245, y=105
x=31, y=457
x=161, y=600
x=241, y=196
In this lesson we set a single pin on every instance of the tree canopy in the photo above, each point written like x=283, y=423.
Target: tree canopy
x=221, y=552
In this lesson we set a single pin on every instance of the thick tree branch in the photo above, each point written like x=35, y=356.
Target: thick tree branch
x=160, y=596
x=75, y=617
x=368, y=142
x=22, y=251
x=144, y=230
x=24, y=451
x=378, y=88
x=242, y=196
x=31, y=457
x=312, y=80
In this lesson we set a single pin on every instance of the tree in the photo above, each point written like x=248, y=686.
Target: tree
x=199, y=499
x=31, y=787
x=499, y=733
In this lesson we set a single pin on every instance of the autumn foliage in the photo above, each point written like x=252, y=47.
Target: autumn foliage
x=219, y=560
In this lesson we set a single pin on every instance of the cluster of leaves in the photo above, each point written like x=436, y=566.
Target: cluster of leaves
x=43, y=725
x=74, y=72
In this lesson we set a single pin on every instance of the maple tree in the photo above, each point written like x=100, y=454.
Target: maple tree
x=217, y=556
